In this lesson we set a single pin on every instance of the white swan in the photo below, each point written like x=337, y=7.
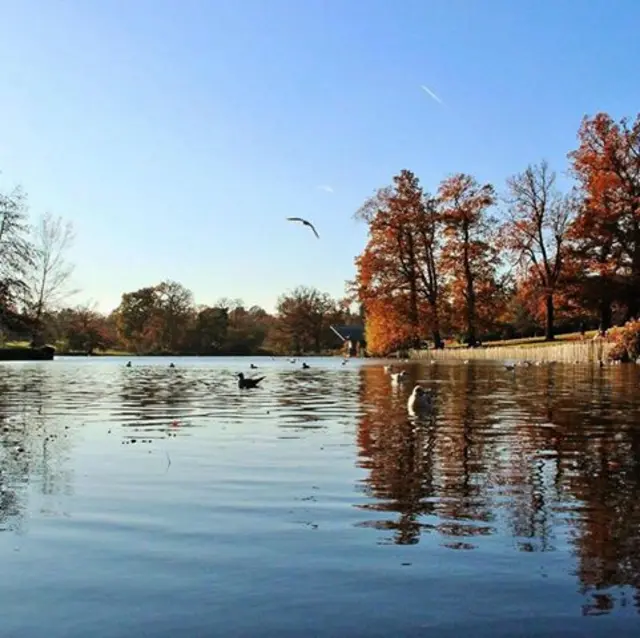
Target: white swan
x=420, y=400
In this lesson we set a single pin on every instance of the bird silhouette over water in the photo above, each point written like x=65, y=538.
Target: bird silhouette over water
x=128, y=364
x=305, y=366
x=253, y=366
x=246, y=384
x=306, y=223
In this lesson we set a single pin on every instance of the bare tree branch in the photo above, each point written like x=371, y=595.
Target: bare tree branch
x=536, y=229
x=48, y=280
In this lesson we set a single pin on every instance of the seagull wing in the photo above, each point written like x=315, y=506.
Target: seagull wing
x=313, y=228
x=306, y=223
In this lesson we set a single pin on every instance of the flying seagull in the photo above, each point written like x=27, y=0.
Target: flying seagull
x=306, y=223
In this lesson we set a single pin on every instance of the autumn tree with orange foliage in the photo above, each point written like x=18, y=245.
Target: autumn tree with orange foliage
x=397, y=276
x=606, y=231
x=386, y=328
x=470, y=257
x=535, y=233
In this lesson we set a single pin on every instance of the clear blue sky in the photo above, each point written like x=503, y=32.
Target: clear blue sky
x=177, y=135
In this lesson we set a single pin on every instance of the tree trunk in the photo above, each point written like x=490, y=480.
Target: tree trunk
x=413, y=298
x=549, y=335
x=605, y=314
x=413, y=315
x=471, y=295
x=435, y=326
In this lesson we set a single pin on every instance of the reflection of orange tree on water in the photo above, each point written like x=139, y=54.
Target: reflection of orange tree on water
x=547, y=449
x=397, y=454
x=421, y=469
x=584, y=424
x=602, y=478
x=462, y=456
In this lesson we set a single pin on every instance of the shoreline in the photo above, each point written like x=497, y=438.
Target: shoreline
x=191, y=354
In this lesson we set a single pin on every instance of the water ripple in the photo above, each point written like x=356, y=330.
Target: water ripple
x=318, y=478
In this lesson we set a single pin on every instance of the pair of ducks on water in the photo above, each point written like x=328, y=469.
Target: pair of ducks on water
x=128, y=365
x=305, y=366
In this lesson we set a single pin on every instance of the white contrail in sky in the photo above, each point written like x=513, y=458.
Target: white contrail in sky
x=325, y=188
x=427, y=90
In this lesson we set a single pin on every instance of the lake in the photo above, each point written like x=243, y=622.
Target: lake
x=150, y=501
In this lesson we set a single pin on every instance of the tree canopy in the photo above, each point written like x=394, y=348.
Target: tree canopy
x=474, y=261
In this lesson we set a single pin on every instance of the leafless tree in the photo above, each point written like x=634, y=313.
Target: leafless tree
x=536, y=231
x=48, y=280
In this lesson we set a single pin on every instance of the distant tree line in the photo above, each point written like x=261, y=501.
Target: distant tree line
x=35, y=294
x=471, y=264
x=164, y=319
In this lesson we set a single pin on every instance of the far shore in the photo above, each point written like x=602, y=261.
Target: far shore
x=59, y=352
x=568, y=348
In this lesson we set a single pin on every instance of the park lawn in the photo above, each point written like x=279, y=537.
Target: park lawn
x=531, y=342
x=539, y=341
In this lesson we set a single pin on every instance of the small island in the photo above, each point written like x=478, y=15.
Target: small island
x=18, y=353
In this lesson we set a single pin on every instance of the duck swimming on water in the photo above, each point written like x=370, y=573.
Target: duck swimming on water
x=246, y=384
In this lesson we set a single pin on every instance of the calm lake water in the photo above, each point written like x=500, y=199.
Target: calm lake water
x=150, y=501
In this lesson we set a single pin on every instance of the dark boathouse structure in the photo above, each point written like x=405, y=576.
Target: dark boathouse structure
x=352, y=338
